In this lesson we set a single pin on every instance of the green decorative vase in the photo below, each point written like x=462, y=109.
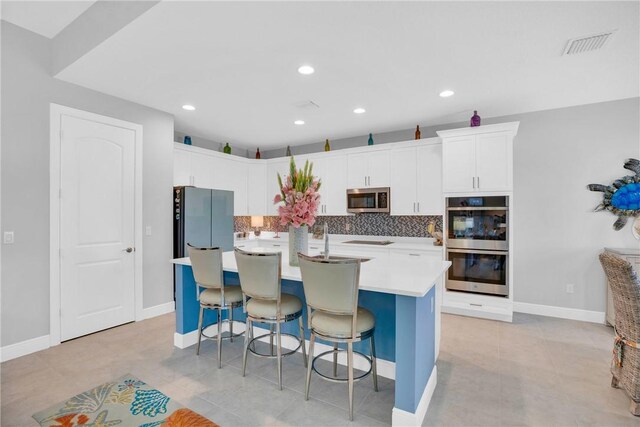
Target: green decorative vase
x=370, y=141
x=327, y=147
x=227, y=149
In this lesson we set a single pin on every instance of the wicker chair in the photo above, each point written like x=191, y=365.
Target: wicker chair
x=625, y=288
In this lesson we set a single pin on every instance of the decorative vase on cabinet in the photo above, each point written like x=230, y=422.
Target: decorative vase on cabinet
x=475, y=119
x=298, y=242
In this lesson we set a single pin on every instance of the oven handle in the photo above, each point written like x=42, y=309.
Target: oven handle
x=478, y=251
x=479, y=208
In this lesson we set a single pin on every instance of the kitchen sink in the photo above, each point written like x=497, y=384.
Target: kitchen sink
x=370, y=242
x=338, y=257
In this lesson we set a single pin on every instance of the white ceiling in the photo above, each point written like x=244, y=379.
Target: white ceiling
x=237, y=63
x=46, y=18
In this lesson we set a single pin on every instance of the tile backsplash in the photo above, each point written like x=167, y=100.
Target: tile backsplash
x=372, y=224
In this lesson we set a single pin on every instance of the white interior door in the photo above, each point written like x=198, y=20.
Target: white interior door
x=97, y=216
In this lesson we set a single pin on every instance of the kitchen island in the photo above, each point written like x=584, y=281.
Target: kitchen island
x=401, y=295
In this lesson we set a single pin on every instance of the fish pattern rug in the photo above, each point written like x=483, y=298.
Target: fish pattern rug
x=126, y=401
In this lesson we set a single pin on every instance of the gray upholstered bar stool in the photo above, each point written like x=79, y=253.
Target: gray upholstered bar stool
x=260, y=280
x=206, y=264
x=331, y=290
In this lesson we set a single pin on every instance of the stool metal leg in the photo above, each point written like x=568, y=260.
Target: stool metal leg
x=302, y=341
x=312, y=340
x=219, y=338
x=271, y=337
x=373, y=363
x=247, y=338
x=350, y=369
x=279, y=350
x=199, y=330
x=253, y=345
x=335, y=359
x=231, y=324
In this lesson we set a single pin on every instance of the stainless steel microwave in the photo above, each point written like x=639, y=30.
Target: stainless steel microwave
x=361, y=200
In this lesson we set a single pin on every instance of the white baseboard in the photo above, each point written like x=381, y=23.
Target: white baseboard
x=400, y=417
x=385, y=368
x=159, y=310
x=561, y=312
x=23, y=348
x=502, y=315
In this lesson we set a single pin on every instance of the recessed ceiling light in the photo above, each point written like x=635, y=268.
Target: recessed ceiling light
x=306, y=69
x=188, y=107
x=298, y=122
x=446, y=93
x=359, y=110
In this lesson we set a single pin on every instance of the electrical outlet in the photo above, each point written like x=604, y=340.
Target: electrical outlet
x=147, y=230
x=8, y=238
x=347, y=227
x=570, y=288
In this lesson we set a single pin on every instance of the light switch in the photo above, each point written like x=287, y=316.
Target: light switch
x=8, y=237
x=147, y=230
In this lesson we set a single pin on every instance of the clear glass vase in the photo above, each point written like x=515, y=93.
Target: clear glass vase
x=298, y=242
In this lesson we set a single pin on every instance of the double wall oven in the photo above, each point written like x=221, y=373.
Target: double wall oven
x=477, y=240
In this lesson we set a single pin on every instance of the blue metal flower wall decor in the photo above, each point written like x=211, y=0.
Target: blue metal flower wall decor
x=622, y=197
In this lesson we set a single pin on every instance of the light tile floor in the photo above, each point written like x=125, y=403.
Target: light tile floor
x=536, y=371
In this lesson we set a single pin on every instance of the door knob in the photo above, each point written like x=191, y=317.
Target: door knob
x=128, y=250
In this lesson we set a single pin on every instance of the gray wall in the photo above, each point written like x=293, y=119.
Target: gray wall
x=557, y=234
x=27, y=90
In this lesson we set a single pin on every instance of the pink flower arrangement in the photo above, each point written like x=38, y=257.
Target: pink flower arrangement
x=299, y=195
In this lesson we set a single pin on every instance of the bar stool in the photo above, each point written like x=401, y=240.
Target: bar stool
x=260, y=280
x=206, y=264
x=331, y=290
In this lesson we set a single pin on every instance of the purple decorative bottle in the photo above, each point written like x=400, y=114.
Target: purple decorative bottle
x=475, y=119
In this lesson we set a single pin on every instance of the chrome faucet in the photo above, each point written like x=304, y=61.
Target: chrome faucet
x=326, y=241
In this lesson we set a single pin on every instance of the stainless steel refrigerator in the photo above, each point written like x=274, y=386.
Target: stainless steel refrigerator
x=202, y=218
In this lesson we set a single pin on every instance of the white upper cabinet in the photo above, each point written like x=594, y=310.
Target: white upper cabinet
x=404, y=181
x=202, y=170
x=459, y=164
x=181, y=167
x=257, y=188
x=368, y=169
x=494, y=160
x=280, y=166
x=478, y=159
x=416, y=180
x=332, y=170
x=429, y=182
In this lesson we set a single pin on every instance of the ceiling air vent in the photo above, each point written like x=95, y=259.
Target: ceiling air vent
x=587, y=43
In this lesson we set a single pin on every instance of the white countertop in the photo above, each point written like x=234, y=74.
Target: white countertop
x=402, y=243
x=409, y=276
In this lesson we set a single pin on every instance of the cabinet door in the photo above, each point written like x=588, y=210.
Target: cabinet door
x=429, y=180
x=493, y=162
x=458, y=164
x=281, y=167
x=357, y=170
x=256, y=188
x=378, y=169
x=333, y=172
x=403, y=181
x=181, y=167
x=202, y=167
x=239, y=188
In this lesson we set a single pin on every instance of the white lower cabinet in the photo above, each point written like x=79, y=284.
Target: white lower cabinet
x=247, y=244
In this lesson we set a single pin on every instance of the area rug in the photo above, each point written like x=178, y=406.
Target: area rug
x=126, y=401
